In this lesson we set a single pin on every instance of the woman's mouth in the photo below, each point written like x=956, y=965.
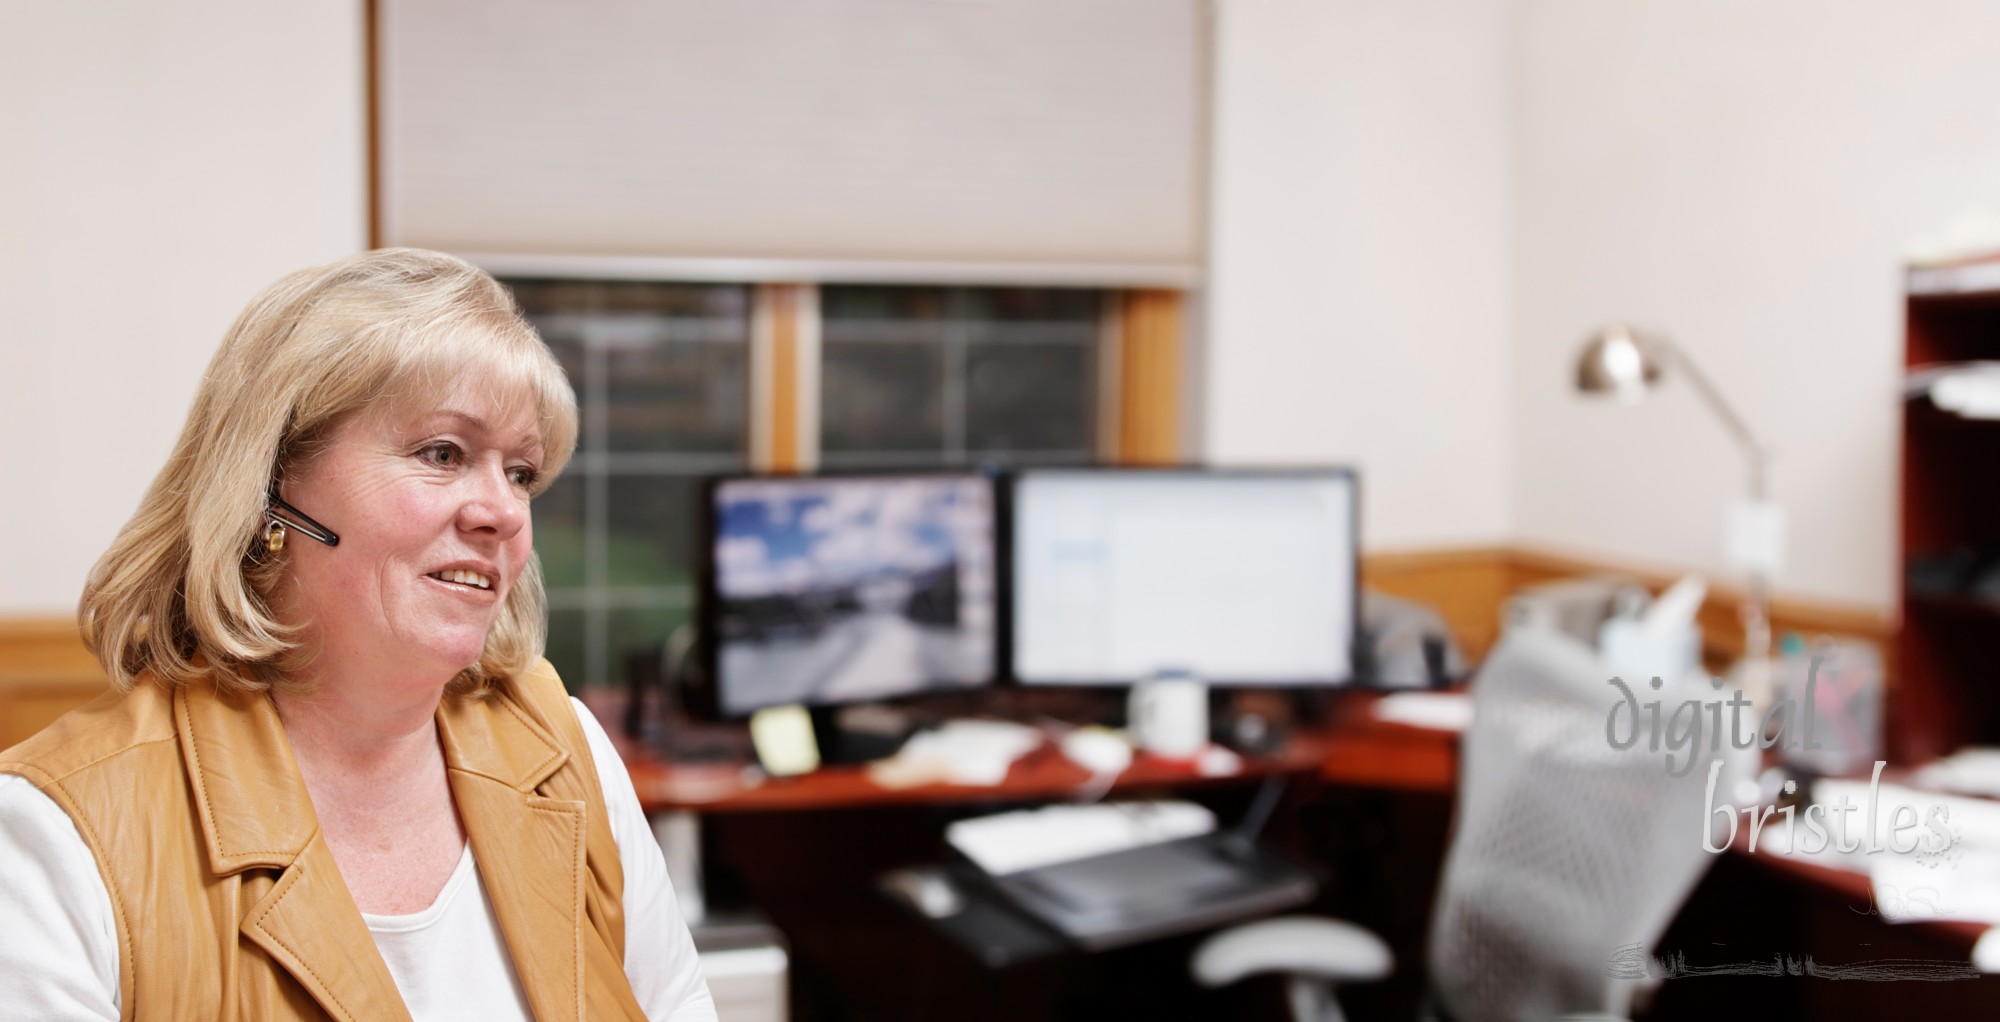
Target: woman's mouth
x=464, y=578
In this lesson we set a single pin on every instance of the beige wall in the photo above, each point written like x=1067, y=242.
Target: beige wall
x=1417, y=209
x=163, y=163
x=1359, y=239
x=1742, y=176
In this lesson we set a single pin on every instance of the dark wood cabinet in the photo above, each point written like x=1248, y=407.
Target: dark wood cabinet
x=1947, y=687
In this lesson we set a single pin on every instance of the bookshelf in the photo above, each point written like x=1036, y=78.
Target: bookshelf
x=1948, y=647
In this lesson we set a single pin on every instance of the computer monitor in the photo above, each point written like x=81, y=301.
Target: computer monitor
x=1239, y=578
x=824, y=590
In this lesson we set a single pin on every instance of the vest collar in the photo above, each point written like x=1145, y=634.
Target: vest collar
x=255, y=812
x=254, y=808
x=253, y=805
x=495, y=739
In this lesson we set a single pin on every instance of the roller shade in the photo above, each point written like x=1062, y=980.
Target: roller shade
x=1061, y=132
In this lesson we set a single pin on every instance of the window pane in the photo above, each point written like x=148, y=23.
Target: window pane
x=880, y=396
x=677, y=395
x=556, y=309
x=566, y=646
x=1029, y=397
x=651, y=533
x=641, y=631
x=926, y=375
x=558, y=514
x=677, y=366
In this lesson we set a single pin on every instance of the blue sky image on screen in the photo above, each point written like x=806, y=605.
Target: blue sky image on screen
x=837, y=590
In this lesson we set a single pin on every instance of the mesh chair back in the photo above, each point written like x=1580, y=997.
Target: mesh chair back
x=1565, y=848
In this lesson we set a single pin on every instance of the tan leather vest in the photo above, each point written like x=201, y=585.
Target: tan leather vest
x=227, y=900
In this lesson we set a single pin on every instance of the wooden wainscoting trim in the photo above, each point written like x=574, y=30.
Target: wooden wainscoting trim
x=43, y=643
x=1722, y=628
x=45, y=671
x=1470, y=585
x=1465, y=585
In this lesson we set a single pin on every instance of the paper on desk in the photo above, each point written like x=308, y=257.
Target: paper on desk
x=1974, y=770
x=1960, y=884
x=1976, y=821
x=1439, y=711
x=970, y=752
x=1028, y=838
x=1908, y=889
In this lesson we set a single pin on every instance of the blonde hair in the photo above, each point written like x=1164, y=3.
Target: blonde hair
x=183, y=592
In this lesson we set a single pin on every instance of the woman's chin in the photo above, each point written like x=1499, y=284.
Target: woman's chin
x=455, y=654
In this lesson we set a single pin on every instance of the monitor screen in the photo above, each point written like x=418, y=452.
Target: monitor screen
x=836, y=589
x=1239, y=578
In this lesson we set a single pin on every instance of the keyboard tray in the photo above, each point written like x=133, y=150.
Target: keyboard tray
x=1159, y=890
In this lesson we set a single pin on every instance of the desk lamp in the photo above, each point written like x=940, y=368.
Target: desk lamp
x=1626, y=363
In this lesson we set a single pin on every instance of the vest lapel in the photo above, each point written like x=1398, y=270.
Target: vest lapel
x=256, y=814
x=530, y=849
x=301, y=924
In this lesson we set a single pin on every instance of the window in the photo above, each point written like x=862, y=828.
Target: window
x=902, y=377
x=660, y=373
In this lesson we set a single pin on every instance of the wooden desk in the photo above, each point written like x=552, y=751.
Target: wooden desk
x=1353, y=748
x=1755, y=904
x=1363, y=751
x=806, y=851
x=1045, y=774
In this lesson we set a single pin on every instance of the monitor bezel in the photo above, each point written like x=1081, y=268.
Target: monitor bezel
x=1011, y=585
x=705, y=700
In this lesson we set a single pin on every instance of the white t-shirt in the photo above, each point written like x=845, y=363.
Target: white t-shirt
x=59, y=945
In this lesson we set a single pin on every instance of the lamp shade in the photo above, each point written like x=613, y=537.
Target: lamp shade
x=1620, y=361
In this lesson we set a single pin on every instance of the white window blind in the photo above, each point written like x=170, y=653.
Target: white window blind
x=1062, y=133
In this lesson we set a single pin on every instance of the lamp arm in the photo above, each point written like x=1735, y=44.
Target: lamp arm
x=1753, y=448
x=1756, y=609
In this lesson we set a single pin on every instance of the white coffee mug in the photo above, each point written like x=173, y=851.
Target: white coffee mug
x=1168, y=716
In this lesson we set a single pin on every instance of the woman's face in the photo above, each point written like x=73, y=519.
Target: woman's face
x=430, y=500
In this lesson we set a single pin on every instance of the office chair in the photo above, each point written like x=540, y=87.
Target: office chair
x=1565, y=849
x=1314, y=955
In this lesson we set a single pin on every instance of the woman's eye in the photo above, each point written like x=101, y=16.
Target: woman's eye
x=440, y=454
x=524, y=476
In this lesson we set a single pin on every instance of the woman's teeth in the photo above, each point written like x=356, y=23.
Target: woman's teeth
x=464, y=578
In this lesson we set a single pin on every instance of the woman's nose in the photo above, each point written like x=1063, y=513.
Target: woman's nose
x=493, y=502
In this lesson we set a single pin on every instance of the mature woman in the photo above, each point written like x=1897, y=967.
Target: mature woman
x=336, y=778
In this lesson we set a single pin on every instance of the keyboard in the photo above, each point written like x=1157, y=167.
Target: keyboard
x=1157, y=890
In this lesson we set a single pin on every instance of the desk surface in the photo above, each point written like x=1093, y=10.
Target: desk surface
x=1351, y=748
x=1044, y=774
x=1852, y=888
x=1366, y=752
